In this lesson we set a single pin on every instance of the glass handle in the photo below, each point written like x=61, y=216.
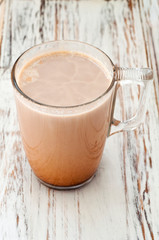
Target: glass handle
x=141, y=77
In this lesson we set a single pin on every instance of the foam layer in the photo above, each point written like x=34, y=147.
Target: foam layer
x=63, y=79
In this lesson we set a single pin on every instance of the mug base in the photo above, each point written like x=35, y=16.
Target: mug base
x=66, y=187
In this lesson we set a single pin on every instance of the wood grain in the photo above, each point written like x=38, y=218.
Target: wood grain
x=122, y=200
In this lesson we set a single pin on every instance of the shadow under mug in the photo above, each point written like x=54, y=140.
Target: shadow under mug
x=64, y=145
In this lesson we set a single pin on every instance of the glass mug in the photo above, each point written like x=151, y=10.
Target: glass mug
x=64, y=145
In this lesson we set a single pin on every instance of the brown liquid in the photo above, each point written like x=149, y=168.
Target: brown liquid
x=63, y=79
x=64, y=149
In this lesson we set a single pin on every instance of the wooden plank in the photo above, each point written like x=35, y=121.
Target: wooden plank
x=149, y=19
x=2, y=9
x=121, y=202
x=6, y=33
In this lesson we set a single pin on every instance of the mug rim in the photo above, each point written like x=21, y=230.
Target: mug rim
x=15, y=84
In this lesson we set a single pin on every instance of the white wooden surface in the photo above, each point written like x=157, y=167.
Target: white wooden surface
x=122, y=201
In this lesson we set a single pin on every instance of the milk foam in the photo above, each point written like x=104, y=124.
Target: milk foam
x=63, y=79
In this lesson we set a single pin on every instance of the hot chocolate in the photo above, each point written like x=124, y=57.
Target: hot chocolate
x=64, y=149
